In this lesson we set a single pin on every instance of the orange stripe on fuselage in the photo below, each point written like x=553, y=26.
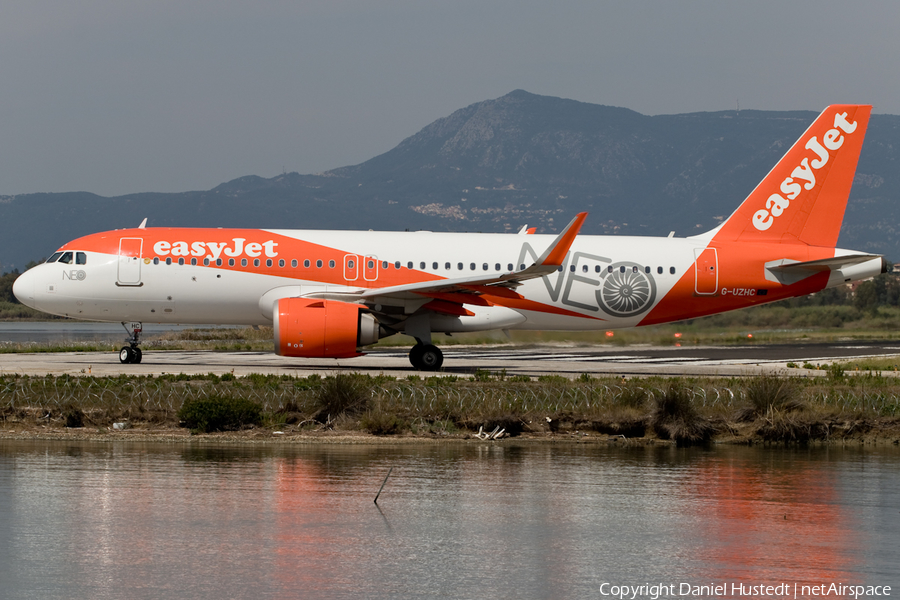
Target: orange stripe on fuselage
x=222, y=243
x=741, y=267
x=251, y=244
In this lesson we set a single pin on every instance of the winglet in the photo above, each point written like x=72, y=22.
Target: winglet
x=556, y=253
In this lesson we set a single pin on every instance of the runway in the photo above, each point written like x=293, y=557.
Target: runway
x=567, y=361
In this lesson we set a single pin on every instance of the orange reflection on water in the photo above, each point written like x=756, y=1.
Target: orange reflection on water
x=772, y=523
x=304, y=560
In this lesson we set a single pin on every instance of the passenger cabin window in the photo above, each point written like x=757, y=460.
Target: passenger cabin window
x=281, y=262
x=672, y=270
x=319, y=264
x=269, y=262
x=422, y=265
x=54, y=257
x=459, y=266
x=230, y=262
x=168, y=260
x=331, y=264
x=255, y=262
x=659, y=270
x=243, y=262
x=434, y=266
x=155, y=260
x=181, y=261
x=294, y=263
x=194, y=261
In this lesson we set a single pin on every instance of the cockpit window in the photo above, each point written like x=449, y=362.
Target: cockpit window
x=66, y=258
x=54, y=257
x=80, y=258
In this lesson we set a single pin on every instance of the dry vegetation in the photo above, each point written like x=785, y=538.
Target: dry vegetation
x=687, y=411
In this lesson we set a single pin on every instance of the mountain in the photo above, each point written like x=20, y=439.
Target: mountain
x=497, y=165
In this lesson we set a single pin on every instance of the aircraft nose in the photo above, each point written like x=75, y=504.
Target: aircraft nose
x=23, y=288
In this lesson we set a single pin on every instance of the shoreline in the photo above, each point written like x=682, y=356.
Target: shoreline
x=885, y=435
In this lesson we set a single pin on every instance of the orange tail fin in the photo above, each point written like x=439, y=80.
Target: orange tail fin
x=803, y=198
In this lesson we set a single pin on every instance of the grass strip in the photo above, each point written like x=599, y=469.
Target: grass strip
x=686, y=410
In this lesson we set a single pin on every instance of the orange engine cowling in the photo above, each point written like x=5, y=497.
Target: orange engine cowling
x=321, y=328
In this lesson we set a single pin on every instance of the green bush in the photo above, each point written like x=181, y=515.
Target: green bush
x=768, y=392
x=219, y=413
x=631, y=395
x=342, y=394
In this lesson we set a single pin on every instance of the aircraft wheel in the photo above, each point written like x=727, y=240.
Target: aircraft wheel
x=415, y=356
x=138, y=355
x=431, y=358
x=126, y=355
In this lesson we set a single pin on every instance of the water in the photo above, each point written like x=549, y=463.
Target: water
x=459, y=520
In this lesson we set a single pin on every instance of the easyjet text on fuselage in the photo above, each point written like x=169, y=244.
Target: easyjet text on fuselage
x=215, y=250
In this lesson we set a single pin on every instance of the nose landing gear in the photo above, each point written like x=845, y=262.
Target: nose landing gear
x=131, y=354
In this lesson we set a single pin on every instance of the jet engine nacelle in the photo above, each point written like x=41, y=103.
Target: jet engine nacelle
x=321, y=328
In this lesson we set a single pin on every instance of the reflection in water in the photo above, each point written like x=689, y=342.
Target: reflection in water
x=458, y=520
x=776, y=521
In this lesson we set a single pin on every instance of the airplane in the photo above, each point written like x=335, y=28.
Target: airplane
x=331, y=293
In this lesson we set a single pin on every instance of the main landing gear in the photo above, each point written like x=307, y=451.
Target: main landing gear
x=131, y=354
x=426, y=357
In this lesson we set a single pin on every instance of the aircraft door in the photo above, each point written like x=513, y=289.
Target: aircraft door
x=706, y=271
x=130, y=261
x=351, y=267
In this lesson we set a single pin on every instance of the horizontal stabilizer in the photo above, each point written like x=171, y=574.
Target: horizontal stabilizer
x=824, y=264
x=787, y=272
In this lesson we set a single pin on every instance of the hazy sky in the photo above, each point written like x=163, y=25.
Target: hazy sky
x=121, y=96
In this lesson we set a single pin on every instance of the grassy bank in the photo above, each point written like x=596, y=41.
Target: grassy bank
x=763, y=409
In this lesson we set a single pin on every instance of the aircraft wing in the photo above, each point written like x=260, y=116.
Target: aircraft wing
x=550, y=261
